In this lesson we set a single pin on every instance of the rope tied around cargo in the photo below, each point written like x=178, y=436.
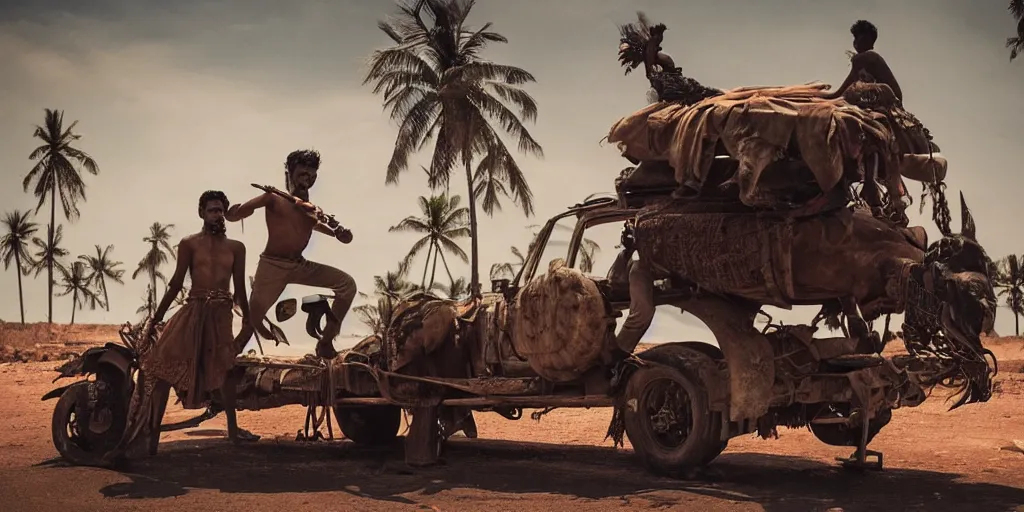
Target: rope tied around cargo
x=322, y=399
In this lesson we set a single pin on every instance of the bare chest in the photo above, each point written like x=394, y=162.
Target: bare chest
x=287, y=217
x=212, y=257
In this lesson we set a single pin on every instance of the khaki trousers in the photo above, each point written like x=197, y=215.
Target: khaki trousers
x=274, y=274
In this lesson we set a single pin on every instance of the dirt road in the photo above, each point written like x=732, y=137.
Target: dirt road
x=962, y=461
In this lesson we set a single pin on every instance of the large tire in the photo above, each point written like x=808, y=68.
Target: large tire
x=371, y=425
x=837, y=434
x=715, y=450
x=70, y=430
x=668, y=421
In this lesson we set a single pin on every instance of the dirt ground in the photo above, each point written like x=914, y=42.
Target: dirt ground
x=935, y=460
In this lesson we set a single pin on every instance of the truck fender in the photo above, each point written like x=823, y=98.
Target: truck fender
x=702, y=360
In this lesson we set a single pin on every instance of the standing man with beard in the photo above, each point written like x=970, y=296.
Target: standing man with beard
x=289, y=228
x=195, y=352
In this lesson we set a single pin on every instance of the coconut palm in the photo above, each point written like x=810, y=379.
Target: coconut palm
x=588, y=247
x=373, y=315
x=439, y=89
x=148, y=305
x=160, y=252
x=75, y=281
x=509, y=268
x=1016, y=44
x=455, y=290
x=55, y=174
x=1010, y=283
x=14, y=247
x=102, y=267
x=388, y=290
x=443, y=222
x=394, y=283
x=50, y=253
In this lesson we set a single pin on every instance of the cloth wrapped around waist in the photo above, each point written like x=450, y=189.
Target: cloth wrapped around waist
x=196, y=348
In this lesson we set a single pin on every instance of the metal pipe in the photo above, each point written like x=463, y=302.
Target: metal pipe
x=534, y=402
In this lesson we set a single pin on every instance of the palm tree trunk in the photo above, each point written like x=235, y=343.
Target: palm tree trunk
x=433, y=271
x=1016, y=322
x=49, y=260
x=474, y=271
x=426, y=265
x=21, y=296
x=74, y=306
x=445, y=262
x=152, y=292
x=106, y=300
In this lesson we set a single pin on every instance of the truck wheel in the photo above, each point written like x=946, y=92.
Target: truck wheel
x=83, y=435
x=371, y=425
x=715, y=449
x=668, y=421
x=837, y=434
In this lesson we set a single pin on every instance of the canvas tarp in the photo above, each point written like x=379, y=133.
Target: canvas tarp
x=756, y=125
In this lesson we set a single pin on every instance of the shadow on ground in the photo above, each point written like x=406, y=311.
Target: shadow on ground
x=776, y=482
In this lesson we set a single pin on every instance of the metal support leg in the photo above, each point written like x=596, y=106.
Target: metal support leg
x=859, y=459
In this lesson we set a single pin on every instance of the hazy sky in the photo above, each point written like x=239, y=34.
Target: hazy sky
x=176, y=98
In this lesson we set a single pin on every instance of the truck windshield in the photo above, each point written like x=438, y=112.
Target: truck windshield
x=595, y=254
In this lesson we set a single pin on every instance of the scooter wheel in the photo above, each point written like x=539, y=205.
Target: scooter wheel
x=83, y=435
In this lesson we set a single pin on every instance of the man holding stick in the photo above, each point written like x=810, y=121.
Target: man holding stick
x=291, y=220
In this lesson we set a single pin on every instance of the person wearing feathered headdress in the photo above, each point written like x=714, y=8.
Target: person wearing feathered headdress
x=640, y=43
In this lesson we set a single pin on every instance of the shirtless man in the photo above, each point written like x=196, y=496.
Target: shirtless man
x=195, y=352
x=867, y=65
x=289, y=228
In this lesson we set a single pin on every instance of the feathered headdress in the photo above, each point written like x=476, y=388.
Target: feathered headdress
x=633, y=41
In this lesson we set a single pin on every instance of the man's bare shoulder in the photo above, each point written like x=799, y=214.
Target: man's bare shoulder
x=236, y=245
x=190, y=240
x=276, y=200
x=868, y=57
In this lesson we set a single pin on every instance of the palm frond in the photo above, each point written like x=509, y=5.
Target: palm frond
x=15, y=242
x=1016, y=8
x=54, y=171
x=1016, y=46
x=441, y=91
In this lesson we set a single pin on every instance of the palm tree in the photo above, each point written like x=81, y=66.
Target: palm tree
x=442, y=223
x=160, y=252
x=1016, y=44
x=455, y=290
x=388, y=289
x=148, y=304
x=393, y=283
x=373, y=315
x=76, y=283
x=509, y=268
x=55, y=172
x=50, y=253
x=1010, y=282
x=588, y=247
x=438, y=88
x=14, y=247
x=103, y=267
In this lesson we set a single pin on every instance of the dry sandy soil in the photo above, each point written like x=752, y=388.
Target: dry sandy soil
x=936, y=460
